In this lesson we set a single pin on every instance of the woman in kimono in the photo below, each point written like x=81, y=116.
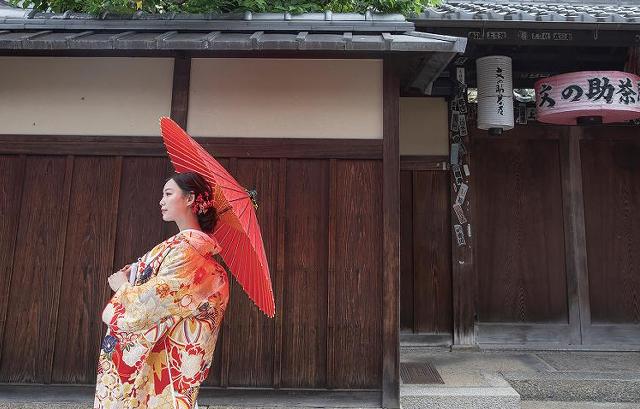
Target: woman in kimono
x=164, y=317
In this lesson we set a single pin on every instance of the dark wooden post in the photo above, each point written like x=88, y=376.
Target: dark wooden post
x=575, y=236
x=180, y=93
x=391, y=234
x=463, y=273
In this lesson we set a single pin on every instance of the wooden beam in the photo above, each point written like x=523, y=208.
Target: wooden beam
x=530, y=131
x=291, y=148
x=575, y=236
x=180, y=93
x=424, y=162
x=391, y=235
x=463, y=273
x=280, y=54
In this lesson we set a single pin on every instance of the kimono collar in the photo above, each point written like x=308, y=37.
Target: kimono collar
x=201, y=242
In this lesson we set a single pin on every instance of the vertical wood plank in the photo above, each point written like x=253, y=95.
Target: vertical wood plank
x=305, y=287
x=180, y=92
x=252, y=332
x=358, y=345
x=12, y=180
x=279, y=277
x=391, y=235
x=432, y=253
x=140, y=224
x=406, y=250
x=31, y=319
x=68, y=178
x=575, y=236
x=88, y=261
x=218, y=372
x=168, y=229
x=331, y=271
x=232, y=165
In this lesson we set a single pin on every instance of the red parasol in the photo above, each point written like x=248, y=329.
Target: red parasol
x=237, y=230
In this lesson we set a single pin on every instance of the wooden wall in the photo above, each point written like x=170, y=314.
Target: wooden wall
x=73, y=217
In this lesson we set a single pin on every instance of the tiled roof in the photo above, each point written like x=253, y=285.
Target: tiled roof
x=220, y=40
x=578, y=11
x=30, y=30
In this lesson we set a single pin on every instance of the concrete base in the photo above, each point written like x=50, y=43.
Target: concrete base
x=471, y=380
x=577, y=386
x=433, y=397
x=540, y=379
x=577, y=405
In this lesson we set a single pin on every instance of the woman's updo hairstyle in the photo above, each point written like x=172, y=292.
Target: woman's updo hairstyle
x=191, y=182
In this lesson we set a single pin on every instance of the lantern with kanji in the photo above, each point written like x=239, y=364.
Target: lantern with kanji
x=588, y=97
x=495, y=93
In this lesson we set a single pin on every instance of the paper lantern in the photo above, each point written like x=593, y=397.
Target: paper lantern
x=495, y=93
x=588, y=97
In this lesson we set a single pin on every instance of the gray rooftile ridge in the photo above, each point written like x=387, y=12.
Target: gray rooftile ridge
x=237, y=16
x=268, y=22
x=583, y=11
x=597, y=3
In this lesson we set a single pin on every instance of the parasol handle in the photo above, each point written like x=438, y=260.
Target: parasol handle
x=253, y=195
x=217, y=257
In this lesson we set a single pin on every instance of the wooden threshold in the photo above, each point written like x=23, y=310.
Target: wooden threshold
x=409, y=339
x=615, y=334
x=516, y=333
x=558, y=336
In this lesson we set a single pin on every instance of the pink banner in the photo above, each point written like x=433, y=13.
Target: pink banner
x=612, y=95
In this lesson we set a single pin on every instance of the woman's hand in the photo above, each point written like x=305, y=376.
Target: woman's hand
x=119, y=277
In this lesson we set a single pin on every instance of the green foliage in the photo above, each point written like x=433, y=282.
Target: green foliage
x=96, y=7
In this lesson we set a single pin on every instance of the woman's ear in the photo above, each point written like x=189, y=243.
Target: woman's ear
x=191, y=198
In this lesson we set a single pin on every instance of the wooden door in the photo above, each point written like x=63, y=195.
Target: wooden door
x=425, y=250
x=611, y=182
x=519, y=237
x=557, y=238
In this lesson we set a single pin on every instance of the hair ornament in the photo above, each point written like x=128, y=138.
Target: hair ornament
x=202, y=203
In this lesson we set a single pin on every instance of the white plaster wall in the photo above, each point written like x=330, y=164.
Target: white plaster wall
x=423, y=126
x=84, y=96
x=286, y=98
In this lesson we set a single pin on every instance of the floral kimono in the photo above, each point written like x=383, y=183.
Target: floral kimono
x=162, y=328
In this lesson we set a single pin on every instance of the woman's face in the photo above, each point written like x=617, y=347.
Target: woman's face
x=174, y=204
